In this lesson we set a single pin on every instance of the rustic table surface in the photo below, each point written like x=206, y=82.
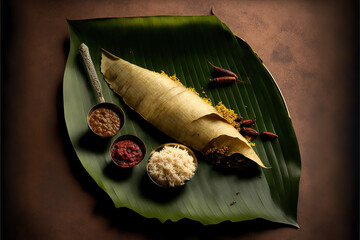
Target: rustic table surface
x=311, y=49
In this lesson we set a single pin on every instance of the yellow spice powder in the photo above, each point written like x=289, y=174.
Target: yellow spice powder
x=228, y=114
x=225, y=112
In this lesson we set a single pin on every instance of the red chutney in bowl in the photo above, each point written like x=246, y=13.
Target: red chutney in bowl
x=126, y=153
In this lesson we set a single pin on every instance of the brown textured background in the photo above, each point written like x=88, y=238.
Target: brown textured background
x=310, y=47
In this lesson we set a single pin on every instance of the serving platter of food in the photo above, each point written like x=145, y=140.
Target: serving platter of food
x=191, y=83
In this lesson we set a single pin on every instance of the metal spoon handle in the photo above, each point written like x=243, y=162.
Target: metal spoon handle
x=84, y=50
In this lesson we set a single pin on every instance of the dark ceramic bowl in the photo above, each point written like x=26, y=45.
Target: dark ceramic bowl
x=124, y=163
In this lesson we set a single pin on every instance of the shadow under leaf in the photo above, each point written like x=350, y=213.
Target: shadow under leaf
x=92, y=142
x=156, y=193
x=117, y=173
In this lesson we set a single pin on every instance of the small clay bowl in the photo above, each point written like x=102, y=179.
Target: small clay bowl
x=123, y=163
x=118, y=111
x=181, y=146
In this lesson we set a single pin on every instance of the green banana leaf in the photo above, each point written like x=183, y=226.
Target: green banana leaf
x=181, y=45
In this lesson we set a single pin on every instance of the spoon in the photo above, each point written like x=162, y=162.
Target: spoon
x=101, y=118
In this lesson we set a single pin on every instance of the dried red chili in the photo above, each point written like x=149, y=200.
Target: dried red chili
x=247, y=122
x=222, y=71
x=268, y=136
x=249, y=132
x=126, y=153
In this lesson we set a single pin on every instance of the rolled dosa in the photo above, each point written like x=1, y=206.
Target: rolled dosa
x=172, y=108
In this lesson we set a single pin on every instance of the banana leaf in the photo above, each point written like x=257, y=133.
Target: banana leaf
x=181, y=45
